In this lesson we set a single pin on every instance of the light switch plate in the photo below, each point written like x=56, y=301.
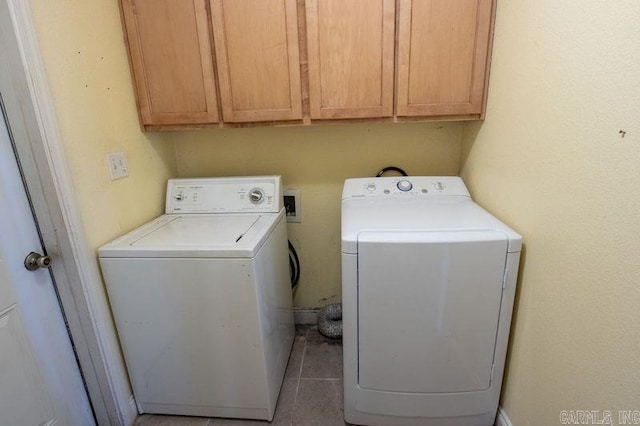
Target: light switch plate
x=117, y=164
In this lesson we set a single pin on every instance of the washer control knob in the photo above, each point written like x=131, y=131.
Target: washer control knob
x=404, y=185
x=179, y=197
x=256, y=195
x=371, y=187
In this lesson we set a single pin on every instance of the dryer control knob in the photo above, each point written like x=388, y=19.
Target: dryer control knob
x=256, y=195
x=404, y=185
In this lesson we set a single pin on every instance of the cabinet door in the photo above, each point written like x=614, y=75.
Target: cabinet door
x=350, y=49
x=442, y=56
x=171, y=55
x=258, y=59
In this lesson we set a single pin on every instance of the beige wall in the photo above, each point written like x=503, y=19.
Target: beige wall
x=551, y=160
x=317, y=160
x=86, y=63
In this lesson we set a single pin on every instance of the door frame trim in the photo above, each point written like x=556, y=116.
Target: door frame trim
x=76, y=271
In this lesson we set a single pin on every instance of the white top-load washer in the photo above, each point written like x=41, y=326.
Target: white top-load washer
x=202, y=301
x=428, y=282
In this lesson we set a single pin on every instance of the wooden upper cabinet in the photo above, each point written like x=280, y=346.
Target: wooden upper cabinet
x=350, y=47
x=257, y=58
x=429, y=56
x=443, y=48
x=171, y=56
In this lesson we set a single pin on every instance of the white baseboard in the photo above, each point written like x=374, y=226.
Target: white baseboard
x=305, y=316
x=502, y=419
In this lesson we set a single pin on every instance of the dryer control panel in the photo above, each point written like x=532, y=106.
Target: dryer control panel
x=225, y=195
x=405, y=186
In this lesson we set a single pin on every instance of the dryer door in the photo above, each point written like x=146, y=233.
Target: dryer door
x=428, y=309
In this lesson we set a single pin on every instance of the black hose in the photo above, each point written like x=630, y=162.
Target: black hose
x=391, y=169
x=294, y=265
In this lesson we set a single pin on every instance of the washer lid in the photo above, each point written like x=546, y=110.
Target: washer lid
x=196, y=235
x=192, y=230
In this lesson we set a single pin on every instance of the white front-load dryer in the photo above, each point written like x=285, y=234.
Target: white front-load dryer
x=202, y=302
x=428, y=282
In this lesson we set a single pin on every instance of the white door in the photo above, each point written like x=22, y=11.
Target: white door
x=40, y=383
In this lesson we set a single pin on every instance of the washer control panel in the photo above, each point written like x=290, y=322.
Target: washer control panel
x=225, y=195
x=405, y=186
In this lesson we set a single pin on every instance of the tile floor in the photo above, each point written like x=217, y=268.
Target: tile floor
x=311, y=393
